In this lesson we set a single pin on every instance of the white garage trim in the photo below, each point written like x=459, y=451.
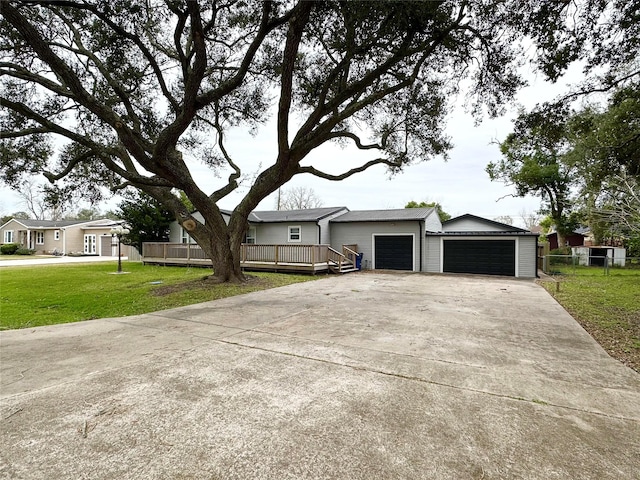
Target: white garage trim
x=399, y=234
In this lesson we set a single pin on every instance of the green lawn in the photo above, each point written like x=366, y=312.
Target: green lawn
x=44, y=295
x=607, y=306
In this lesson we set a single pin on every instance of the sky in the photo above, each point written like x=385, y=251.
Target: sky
x=460, y=184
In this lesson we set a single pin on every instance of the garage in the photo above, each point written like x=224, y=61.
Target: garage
x=488, y=257
x=393, y=252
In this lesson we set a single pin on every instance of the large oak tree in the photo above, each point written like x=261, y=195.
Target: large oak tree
x=137, y=89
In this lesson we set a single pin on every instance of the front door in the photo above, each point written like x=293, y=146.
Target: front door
x=90, y=244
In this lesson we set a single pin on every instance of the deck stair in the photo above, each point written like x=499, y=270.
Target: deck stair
x=345, y=267
x=344, y=262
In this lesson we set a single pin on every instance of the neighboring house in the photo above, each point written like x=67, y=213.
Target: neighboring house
x=87, y=237
x=574, y=239
x=411, y=239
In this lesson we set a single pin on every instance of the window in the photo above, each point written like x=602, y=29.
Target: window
x=250, y=236
x=8, y=236
x=56, y=235
x=39, y=238
x=295, y=234
x=185, y=237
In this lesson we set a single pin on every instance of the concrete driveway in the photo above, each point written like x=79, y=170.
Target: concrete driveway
x=365, y=376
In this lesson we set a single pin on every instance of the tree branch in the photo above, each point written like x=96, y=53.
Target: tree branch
x=133, y=38
x=72, y=82
x=289, y=58
x=357, y=141
x=17, y=71
x=232, y=183
x=236, y=80
x=117, y=88
x=23, y=133
x=47, y=124
x=353, y=171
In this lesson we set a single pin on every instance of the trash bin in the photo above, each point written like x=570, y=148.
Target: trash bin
x=359, y=261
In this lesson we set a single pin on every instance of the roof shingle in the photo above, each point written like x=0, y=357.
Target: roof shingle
x=397, y=215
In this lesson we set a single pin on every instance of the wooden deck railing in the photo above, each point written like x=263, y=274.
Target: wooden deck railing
x=180, y=251
x=310, y=255
x=336, y=257
x=350, y=252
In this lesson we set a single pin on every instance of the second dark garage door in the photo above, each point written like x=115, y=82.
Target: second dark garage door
x=393, y=252
x=489, y=257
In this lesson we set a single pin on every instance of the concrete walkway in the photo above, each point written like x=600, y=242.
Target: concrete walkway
x=56, y=260
x=364, y=376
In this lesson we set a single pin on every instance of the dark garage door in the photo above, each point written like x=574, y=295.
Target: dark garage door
x=394, y=252
x=489, y=257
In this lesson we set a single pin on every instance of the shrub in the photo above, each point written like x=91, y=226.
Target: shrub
x=25, y=251
x=633, y=246
x=567, y=260
x=9, y=248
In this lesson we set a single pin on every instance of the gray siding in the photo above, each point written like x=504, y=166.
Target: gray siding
x=278, y=233
x=432, y=223
x=472, y=225
x=325, y=229
x=431, y=262
x=527, y=262
x=362, y=233
x=175, y=229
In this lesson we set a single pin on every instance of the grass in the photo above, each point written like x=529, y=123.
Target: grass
x=32, y=296
x=607, y=306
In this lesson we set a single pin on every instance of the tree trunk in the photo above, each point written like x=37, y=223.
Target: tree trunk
x=220, y=243
x=225, y=257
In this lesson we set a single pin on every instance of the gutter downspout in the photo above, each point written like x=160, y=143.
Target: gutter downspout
x=319, y=232
x=537, y=275
x=64, y=240
x=422, y=237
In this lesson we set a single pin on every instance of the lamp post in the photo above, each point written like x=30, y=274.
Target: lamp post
x=119, y=231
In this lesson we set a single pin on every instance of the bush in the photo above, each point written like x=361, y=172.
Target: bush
x=560, y=260
x=25, y=251
x=9, y=248
x=633, y=246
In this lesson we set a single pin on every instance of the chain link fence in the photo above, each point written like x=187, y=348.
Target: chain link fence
x=585, y=264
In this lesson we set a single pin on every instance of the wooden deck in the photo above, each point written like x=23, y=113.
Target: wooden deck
x=274, y=258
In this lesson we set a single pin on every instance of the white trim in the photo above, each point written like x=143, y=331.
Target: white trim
x=400, y=234
x=253, y=237
x=289, y=227
x=40, y=237
x=185, y=237
x=92, y=243
x=56, y=235
x=4, y=237
x=463, y=238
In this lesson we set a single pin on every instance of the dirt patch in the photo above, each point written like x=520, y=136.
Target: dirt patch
x=205, y=283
